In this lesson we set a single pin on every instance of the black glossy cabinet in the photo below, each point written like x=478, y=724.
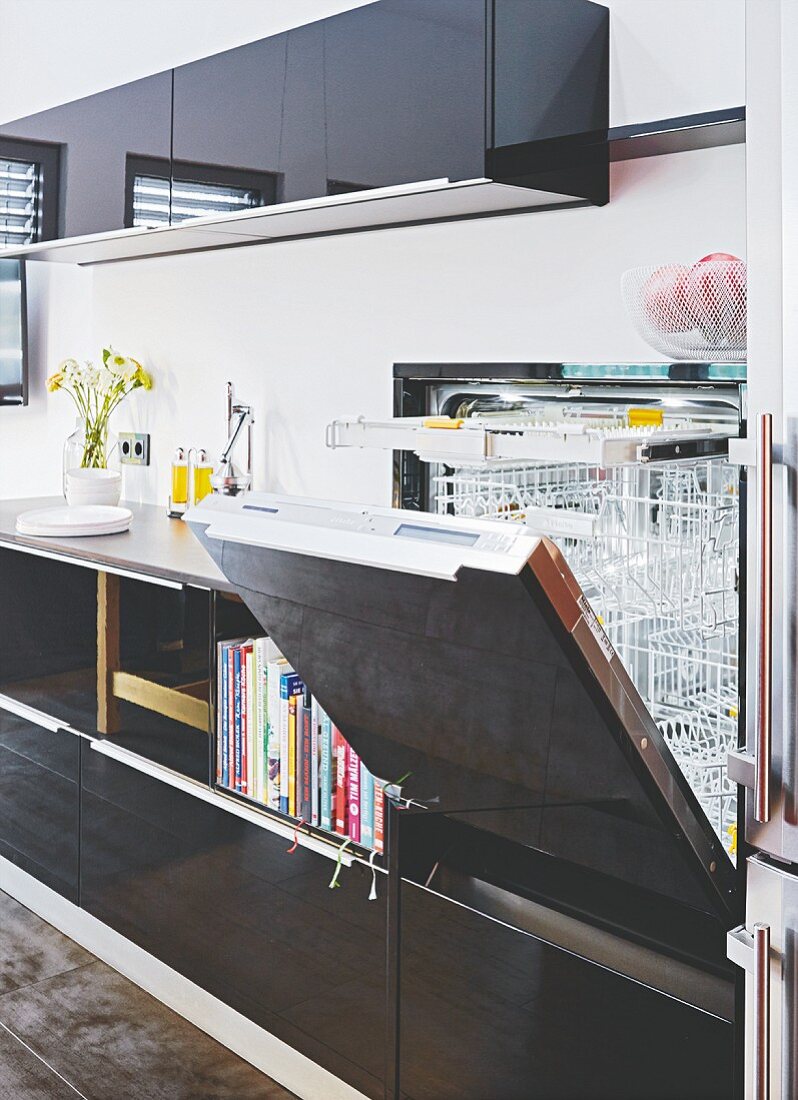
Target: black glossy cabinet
x=39, y=801
x=490, y=1011
x=395, y=92
x=85, y=152
x=221, y=901
x=391, y=93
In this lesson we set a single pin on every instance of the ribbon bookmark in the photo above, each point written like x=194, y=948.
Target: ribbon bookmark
x=373, y=890
x=295, y=845
x=338, y=864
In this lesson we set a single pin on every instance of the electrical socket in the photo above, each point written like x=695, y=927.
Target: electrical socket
x=134, y=448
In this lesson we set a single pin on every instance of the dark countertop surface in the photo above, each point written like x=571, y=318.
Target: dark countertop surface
x=155, y=545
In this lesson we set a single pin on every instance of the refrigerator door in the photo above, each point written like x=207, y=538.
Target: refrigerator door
x=767, y=948
x=488, y=688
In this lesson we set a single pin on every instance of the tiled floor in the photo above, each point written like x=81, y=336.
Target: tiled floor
x=70, y=1026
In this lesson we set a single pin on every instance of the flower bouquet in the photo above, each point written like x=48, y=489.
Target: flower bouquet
x=97, y=391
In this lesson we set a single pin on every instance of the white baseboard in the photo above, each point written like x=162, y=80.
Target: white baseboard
x=252, y=1043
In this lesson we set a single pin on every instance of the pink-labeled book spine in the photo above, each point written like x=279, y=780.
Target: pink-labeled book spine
x=353, y=794
x=342, y=756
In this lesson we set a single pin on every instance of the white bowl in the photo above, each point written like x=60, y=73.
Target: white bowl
x=86, y=486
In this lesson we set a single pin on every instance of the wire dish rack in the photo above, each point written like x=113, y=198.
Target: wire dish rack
x=660, y=570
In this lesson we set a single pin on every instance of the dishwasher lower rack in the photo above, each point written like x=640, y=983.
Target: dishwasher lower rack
x=660, y=568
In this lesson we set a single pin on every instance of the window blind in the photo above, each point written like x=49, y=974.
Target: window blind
x=19, y=201
x=151, y=204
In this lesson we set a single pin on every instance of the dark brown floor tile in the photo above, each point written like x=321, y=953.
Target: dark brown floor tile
x=31, y=949
x=112, y=1039
x=24, y=1077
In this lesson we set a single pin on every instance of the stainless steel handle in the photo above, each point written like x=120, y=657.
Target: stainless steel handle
x=764, y=468
x=761, y=978
x=751, y=951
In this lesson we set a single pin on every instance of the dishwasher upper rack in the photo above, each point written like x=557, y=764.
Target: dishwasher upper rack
x=484, y=441
x=645, y=541
x=655, y=549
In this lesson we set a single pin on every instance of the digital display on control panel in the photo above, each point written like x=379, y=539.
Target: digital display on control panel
x=436, y=534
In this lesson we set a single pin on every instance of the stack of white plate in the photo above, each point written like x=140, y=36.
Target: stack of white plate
x=86, y=486
x=74, y=521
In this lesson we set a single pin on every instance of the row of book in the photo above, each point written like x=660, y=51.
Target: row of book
x=277, y=746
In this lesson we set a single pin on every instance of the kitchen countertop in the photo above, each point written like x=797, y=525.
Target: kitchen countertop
x=155, y=545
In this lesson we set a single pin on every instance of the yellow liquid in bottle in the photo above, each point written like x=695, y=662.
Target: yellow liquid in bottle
x=180, y=483
x=202, y=482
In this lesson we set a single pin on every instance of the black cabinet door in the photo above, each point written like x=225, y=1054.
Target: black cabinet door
x=82, y=158
x=488, y=1011
x=387, y=94
x=221, y=901
x=39, y=801
x=227, y=130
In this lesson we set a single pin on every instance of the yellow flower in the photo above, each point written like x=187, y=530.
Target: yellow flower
x=142, y=378
x=55, y=381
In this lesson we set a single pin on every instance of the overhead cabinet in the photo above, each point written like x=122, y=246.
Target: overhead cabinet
x=401, y=111
x=75, y=161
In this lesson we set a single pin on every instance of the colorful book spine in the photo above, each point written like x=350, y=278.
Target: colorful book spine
x=231, y=717
x=342, y=758
x=292, y=743
x=379, y=815
x=325, y=807
x=366, y=807
x=275, y=668
x=223, y=712
x=315, y=748
x=237, y=717
x=258, y=674
x=289, y=683
x=305, y=779
x=353, y=794
x=246, y=718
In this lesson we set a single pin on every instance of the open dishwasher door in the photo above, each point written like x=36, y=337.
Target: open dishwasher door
x=464, y=653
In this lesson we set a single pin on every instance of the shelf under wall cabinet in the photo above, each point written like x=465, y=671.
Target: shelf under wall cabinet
x=380, y=208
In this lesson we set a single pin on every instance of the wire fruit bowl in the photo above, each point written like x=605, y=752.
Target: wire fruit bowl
x=696, y=312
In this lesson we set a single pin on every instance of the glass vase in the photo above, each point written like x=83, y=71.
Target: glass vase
x=97, y=448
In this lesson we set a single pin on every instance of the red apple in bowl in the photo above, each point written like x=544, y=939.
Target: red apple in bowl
x=665, y=299
x=717, y=290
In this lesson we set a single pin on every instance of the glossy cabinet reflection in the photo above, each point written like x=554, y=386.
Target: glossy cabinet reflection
x=489, y=1011
x=387, y=94
x=392, y=93
x=222, y=902
x=39, y=801
x=82, y=152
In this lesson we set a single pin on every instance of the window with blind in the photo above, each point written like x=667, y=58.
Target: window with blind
x=19, y=201
x=156, y=197
x=28, y=192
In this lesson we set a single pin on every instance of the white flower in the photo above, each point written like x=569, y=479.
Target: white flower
x=122, y=366
x=91, y=376
x=105, y=379
x=69, y=368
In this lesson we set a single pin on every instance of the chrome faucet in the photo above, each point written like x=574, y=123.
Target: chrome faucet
x=228, y=479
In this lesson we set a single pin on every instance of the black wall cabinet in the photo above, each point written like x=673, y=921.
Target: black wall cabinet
x=82, y=151
x=396, y=92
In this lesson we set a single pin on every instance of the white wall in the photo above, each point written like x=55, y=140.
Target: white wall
x=675, y=57
x=309, y=330
x=53, y=51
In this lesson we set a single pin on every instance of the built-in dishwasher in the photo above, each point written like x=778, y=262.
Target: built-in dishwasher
x=626, y=468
